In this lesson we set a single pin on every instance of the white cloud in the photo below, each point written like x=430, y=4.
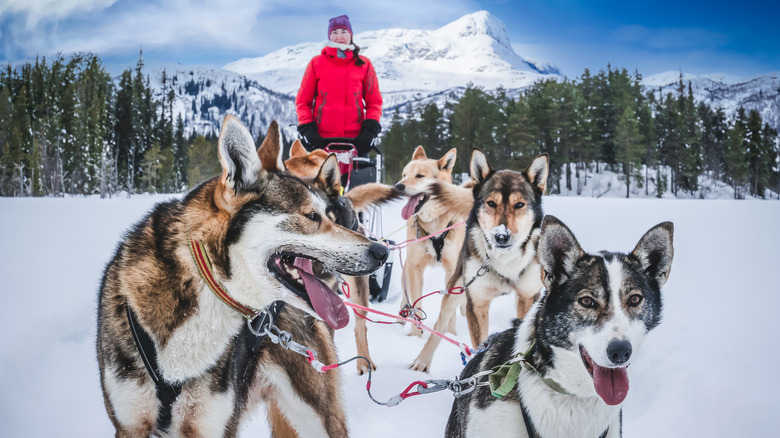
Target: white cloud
x=39, y=10
x=255, y=27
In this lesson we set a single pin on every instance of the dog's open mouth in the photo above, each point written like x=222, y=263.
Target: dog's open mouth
x=611, y=383
x=295, y=273
x=413, y=205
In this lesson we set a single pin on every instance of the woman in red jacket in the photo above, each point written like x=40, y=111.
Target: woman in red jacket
x=339, y=94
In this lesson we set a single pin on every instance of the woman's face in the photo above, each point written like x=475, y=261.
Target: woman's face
x=340, y=36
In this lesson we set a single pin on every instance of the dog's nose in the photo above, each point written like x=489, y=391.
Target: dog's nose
x=619, y=351
x=501, y=238
x=379, y=252
x=400, y=187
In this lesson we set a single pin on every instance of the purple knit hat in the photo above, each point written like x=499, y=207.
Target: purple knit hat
x=340, y=22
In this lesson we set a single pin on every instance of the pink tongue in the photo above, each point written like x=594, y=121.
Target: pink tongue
x=408, y=209
x=327, y=304
x=611, y=384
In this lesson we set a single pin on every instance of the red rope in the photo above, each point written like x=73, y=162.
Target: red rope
x=406, y=394
x=464, y=348
x=410, y=242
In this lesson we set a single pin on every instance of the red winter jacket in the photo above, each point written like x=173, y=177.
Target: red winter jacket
x=333, y=92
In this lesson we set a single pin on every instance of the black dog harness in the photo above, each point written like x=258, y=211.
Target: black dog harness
x=436, y=241
x=167, y=393
x=531, y=430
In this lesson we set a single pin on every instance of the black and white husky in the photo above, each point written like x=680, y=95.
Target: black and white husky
x=578, y=341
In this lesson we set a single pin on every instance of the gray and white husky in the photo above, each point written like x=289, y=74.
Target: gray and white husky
x=578, y=341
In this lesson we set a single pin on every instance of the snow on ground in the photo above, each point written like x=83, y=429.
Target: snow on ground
x=707, y=370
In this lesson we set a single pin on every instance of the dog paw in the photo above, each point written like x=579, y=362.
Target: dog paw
x=421, y=365
x=362, y=366
x=415, y=332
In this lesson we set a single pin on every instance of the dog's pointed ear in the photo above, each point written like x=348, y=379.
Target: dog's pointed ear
x=558, y=251
x=297, y=149
x=655, y=252
x=270, y=151
x=538, y=171
x=479, y=167
x=329, y=176
x=419, y=153
x=240, y=162
x=447, y=162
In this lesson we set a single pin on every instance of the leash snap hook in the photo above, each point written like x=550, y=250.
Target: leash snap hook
x=432, y=386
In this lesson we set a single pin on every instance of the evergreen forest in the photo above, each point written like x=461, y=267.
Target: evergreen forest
x=68, y=128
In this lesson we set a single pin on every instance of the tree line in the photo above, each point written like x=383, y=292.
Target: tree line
x=68, y=128
x=598, y=121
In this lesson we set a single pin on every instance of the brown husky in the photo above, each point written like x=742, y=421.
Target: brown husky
x=321, y=171
x=259, y=232
x=501, y=237
x=422, y=220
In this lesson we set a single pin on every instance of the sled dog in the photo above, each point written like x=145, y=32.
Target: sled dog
x=498, y=255
x=321, y=172
x=422, y=220
x=189, y=276
x=577, y=342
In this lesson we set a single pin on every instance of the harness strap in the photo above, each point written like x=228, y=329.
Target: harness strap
x=264, y=320
x=167, y=393
x=436, y=241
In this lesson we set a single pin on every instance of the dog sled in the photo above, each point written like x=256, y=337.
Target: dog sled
x=356, y=171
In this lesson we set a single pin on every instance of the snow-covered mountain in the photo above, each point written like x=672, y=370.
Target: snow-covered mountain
x=411, y=63
x=417, y=66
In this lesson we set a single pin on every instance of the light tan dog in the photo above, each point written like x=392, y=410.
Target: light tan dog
x=324, y=177
x=424, y=218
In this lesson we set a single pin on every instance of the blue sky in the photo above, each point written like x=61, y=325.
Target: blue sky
x=738, y=39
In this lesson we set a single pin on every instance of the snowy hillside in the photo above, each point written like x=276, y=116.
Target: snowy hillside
x=205, y=94
x=695, y=376
x=761, y=93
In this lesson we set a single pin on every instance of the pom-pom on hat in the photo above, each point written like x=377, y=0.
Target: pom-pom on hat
x=340, y=22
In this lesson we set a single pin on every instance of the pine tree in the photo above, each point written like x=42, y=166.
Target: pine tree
x=759, y=154
x=466, y=117
x=202, y=160
x=628, y=146
x=180, y=156
x=124, y=133
x=735, y=155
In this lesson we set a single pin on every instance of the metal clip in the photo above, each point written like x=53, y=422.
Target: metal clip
x=433, y=386
x=463, y=387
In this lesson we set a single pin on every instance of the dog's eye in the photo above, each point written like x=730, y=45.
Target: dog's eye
x=314, y=216
x=587, y=302
x=520, y=205
x=635, y=300
x=420, y=175
x=491, y=204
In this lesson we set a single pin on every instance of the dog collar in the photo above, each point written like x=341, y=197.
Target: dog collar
x=204, y=267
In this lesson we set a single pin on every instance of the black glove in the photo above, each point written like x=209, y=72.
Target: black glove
x=369, y=129
x=311, y=139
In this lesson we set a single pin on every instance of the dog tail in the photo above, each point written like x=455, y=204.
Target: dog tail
x=455, y=200
x=372, y=195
